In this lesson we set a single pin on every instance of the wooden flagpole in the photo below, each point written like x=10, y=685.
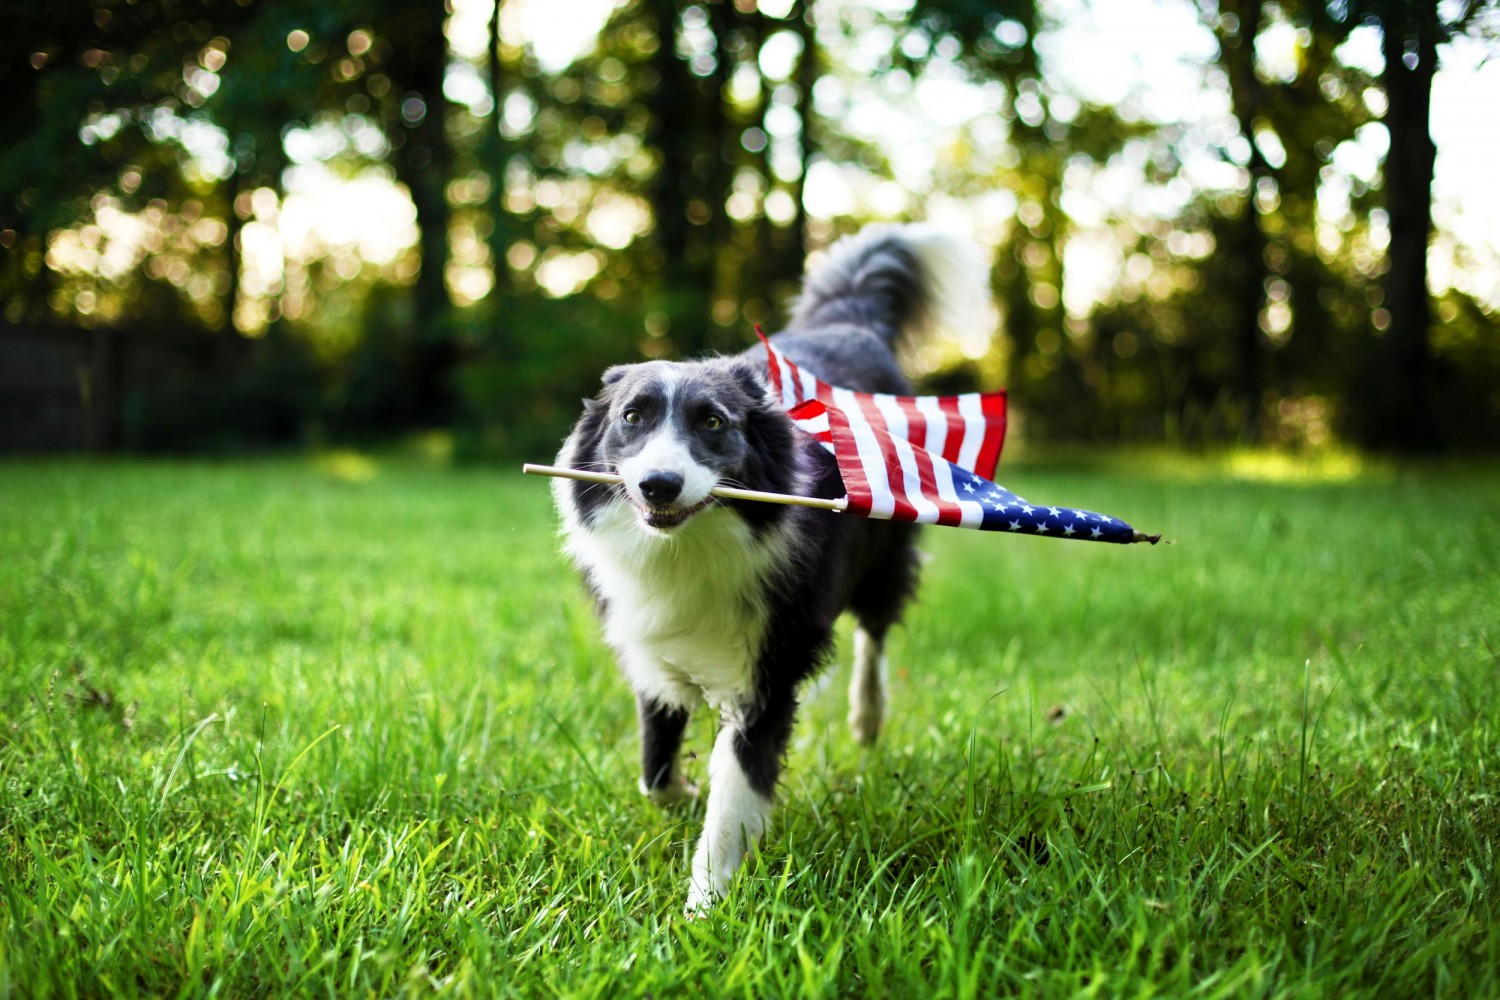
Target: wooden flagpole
x=730, y=493
x=727, y=492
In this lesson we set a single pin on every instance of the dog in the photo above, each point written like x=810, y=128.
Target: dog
x=732, y=603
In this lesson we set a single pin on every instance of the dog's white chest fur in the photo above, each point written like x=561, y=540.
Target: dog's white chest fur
x=685, y=612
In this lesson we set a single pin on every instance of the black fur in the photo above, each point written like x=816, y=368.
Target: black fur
x=661, y=738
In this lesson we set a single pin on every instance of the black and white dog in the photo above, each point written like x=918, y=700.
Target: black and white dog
x=733, y=602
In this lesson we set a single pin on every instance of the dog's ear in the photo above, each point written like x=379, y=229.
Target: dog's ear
x=750, y=378
x=610, y=377
x=772, y=453
x=591, y=425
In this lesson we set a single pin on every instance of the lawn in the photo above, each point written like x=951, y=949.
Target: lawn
x=346, y=726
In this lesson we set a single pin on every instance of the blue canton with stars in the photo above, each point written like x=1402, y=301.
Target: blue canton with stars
x=1004, y=511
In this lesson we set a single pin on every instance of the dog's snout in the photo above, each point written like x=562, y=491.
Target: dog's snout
x=661, y=487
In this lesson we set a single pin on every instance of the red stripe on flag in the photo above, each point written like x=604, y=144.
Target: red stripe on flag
x=863, y=474
x=856, y=486
x=916, y=437
x=916, y=434
x=916, y=421
x=949, y=513
x=810, y=411
x=895, y=473
x=956, y=428
x=773, y=365
x=993, y=406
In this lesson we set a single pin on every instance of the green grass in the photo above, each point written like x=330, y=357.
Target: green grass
x=277, y=727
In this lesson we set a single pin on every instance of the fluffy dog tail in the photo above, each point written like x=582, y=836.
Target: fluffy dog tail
x=901, y=281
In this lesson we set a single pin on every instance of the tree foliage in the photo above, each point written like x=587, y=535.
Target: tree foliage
x=650, y=198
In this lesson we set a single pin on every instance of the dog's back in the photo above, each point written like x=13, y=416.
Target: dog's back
x=735, y=602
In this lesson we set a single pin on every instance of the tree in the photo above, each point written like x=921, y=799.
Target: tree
x=1400, y=411
x=96, y=105
x=496, y=154
x=1049, y=364
x=1288, y=339
x=1236, y=25
x=1399, y=408
x=671, y=137
x=423, y=159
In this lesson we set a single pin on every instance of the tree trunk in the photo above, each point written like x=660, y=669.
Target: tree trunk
x=671, y=136
x=807, y=77
x=1237, y=54
x=424, y=164
x=721, y=137
x=232, y=249
x=499, y=240
x=1401, y=411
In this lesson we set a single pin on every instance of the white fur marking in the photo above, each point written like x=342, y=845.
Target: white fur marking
x=665, y=451
x=685, y=610
x=867, y=688
x=735, y=822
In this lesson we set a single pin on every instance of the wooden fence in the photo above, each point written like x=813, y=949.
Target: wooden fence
x=65, y=389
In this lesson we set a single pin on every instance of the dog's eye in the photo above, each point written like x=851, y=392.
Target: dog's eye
x=713, y=421
x=632, y=416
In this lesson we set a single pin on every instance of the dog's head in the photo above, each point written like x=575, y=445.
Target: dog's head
x=674, y=431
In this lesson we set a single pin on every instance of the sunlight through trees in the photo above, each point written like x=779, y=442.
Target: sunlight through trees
x=1210, y=220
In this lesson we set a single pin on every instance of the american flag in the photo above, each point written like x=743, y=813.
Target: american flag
x=926, y=459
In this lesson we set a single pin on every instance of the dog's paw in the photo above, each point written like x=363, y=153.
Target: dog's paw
x=676, y=791
x=864, y=722
x=703, y=893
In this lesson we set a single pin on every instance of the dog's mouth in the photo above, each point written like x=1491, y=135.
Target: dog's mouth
x=666, y=518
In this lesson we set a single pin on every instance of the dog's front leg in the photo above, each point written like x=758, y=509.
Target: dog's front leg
x=661, y=740
x=742, y=776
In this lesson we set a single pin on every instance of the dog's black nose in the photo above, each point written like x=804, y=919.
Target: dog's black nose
x=661, y=487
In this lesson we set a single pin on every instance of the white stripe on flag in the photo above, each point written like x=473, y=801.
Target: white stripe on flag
x=972, y=515
x=973, y=413
x=787, y=376
x=895, y=418
x=819, y=427
x=882, y=500
x=788, y=397
x=809, y=386
x=814, y=425
x=927, y=512
x=937, y=424
x=781, y=379
x=900, y=431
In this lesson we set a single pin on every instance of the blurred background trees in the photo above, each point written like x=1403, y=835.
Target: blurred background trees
x=282, y=223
